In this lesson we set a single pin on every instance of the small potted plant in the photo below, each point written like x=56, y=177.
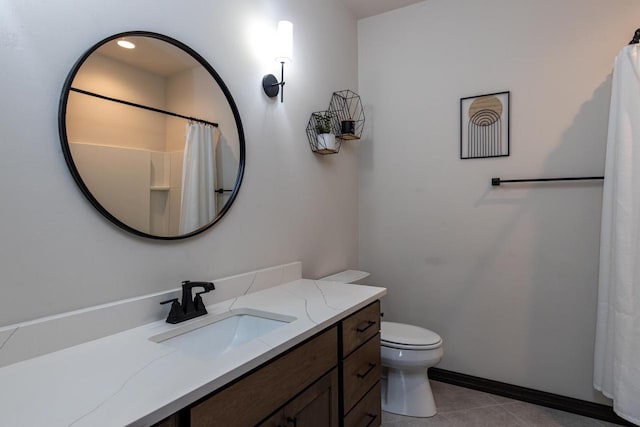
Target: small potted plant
x=348, y=128
x=326, y=139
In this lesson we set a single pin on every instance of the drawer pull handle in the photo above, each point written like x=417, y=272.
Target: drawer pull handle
x=292, y=420
x=370, y=323
x=372, y=418
x=371, y=367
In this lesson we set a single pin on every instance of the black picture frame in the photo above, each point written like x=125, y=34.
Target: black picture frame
x=485, y=131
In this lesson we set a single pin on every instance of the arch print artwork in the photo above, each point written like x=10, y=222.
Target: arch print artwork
x=484, y=126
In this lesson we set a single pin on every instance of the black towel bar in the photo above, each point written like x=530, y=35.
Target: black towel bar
x=497, y=181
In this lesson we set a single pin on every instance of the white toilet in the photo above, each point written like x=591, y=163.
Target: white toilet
x=407, y=352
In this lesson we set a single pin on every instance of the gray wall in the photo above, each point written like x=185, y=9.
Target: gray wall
x=507, y=276
x=57, y=253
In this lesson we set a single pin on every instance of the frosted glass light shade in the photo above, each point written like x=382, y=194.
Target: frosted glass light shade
x=284, y=42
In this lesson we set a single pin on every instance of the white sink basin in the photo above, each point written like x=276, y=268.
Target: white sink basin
x=211, y=336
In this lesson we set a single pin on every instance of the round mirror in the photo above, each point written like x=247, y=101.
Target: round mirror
x=152, y=135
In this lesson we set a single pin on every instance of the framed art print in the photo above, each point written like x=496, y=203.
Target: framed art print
x=484, y=126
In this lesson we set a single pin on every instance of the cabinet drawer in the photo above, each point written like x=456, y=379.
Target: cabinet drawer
x=367, y=412
x=361, y=371
x=250, y=400
x=359, y=327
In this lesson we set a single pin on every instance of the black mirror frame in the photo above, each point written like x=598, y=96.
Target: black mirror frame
x=62, y=129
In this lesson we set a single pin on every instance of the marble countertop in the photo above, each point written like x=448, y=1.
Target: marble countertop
x=126, y=379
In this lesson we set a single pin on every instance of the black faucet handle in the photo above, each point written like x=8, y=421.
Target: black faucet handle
x=208, y=286
x=176, y=310
x=198, y=304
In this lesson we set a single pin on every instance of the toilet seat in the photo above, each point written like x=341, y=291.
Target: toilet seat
x=408, y=337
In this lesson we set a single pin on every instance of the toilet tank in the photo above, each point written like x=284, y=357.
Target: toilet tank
x=348, y=276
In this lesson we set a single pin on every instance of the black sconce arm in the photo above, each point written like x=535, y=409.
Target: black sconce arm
x=272, y=86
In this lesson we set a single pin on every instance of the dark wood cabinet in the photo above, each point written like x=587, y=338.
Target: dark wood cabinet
x=360, y=327
x=276, y=420
x=172, y=421
x=250, y=400
x=317, y=406
x=361, y=371
x=361, y=367
x=330, y=380
x=367, y=412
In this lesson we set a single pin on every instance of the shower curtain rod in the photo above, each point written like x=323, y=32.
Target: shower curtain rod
x=497, y=181
x=132, y=104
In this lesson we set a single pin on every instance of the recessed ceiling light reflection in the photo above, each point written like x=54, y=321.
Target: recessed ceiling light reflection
x=126, y=44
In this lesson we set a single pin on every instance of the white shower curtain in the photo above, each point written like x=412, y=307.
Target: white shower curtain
x=617, y=353
x=198, y=201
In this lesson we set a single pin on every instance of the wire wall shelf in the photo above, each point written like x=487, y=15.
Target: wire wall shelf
x=321, y=133
x=343, y=121
x=347, y=107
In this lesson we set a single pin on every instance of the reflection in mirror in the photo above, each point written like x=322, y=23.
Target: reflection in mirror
x=154, y=136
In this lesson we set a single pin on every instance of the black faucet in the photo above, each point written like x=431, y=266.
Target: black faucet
x=191, y=307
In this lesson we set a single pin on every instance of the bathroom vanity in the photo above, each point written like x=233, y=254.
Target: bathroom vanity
x=332, y=376
x=309, y=355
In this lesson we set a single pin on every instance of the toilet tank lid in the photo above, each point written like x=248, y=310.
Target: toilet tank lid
x=347, y=276
x=400, y=333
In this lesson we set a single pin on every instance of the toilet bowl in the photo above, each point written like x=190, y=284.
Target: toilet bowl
x=406, y=352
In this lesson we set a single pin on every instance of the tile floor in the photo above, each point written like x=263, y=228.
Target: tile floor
x=462, y=407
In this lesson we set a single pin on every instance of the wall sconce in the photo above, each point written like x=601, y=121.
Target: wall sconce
x=284, y=53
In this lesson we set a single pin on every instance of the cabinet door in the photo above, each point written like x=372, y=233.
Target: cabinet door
x=254, y=397
x=276, y=420
x=317, y=406
x=172, y=421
